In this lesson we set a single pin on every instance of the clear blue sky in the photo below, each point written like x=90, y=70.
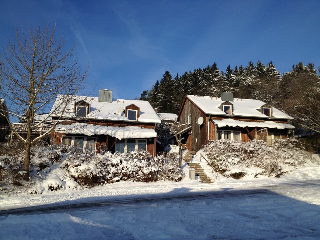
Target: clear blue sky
x=130, y=44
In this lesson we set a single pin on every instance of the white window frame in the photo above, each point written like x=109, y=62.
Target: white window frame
x=136, y=144
x=132, y=111
x=189, y=119
x=232, y=134
x=85, y=140
x=227, y=105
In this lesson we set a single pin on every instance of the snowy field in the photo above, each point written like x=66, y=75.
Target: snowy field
x=263, y=208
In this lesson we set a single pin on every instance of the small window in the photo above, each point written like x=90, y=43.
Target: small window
x=132, y=115
x=81, y=111
x=267, y=112
x=91, y=144
x=237, y=136
x=189, y=119
x=78, y=142
x=219, y=135
x=120, y=144
x=227, y=109
x=131, y=145
x=66, y=141
x=227, y=135
x=142, y=145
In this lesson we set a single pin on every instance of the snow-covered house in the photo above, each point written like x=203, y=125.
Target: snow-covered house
x=210, y=118
x=102, y=124
x=168, y=117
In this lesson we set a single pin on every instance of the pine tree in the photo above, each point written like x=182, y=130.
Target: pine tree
x=153, y=95
x=166, y=94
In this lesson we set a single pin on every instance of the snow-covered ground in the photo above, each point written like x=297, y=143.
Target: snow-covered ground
x=265, y=208
x=253, y=207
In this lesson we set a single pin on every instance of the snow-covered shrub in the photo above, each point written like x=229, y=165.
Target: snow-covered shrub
x=223, y=155
x=11, y=165
x=90, y=170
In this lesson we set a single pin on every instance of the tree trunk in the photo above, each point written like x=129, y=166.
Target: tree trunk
x=27, y=161
x=27, y=155
x=180, y=155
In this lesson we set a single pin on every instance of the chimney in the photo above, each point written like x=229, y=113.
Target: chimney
x=105, y=95
x=227, y=96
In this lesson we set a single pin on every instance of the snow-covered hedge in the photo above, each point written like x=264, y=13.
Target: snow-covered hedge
x=61, y=167
x=90, y=170
x=223, y=155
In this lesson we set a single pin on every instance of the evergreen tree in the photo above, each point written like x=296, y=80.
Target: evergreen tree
x=153, y=95
x=166, y=93
x=144, y=95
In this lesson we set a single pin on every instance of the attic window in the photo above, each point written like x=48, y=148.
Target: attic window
x=132, y=115
x=227, y=109
x=81, y=111
x=82, y=108
x=267, y=111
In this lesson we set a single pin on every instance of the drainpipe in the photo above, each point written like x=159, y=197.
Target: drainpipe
x=209, y=129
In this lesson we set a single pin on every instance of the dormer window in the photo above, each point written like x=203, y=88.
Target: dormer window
x=132, y=112
x=227, y=109
x=81, y=109
x=267, y=111
x=132, y=115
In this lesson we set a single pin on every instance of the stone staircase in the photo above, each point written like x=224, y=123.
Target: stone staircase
x=197, y=167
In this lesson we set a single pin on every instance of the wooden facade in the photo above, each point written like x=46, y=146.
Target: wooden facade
x=190, y=114
x=207, y=130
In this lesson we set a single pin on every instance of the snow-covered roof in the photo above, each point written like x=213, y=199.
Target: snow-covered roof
x=241, y=107
x=42, y=117
x=266, y=124
x=168, y=116
x=117, y=132
x=114, y=111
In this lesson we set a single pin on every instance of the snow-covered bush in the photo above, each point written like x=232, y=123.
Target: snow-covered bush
x=11, y=165
x=223, y=155
x=90, y=170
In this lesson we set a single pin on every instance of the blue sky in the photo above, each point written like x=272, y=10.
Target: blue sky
x=128, y=45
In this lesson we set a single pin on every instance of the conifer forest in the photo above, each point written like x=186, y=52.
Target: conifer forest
x=296, y=92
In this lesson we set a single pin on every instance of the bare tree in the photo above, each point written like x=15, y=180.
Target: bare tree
x=35, y=68
x=178, y=129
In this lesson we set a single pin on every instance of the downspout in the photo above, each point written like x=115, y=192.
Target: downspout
x=209, y=129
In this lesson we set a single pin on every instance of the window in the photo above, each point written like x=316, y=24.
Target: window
x=142, y=145
x=227, y=109
x=81, y=111
x=132, y=115
x=120, y=146
x=66, y=141
x=237, y=136
x=78, y=142
x=83, y=143
x=131, y=145
x=267, y=111
x=229, y=135
x=91, y=144
x=189, y=119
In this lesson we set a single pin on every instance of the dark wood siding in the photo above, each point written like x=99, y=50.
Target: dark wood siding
x=199, y=134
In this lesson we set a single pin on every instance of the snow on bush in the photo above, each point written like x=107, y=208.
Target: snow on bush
x=224, y=156
x=90, y=170
x=59, y=167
